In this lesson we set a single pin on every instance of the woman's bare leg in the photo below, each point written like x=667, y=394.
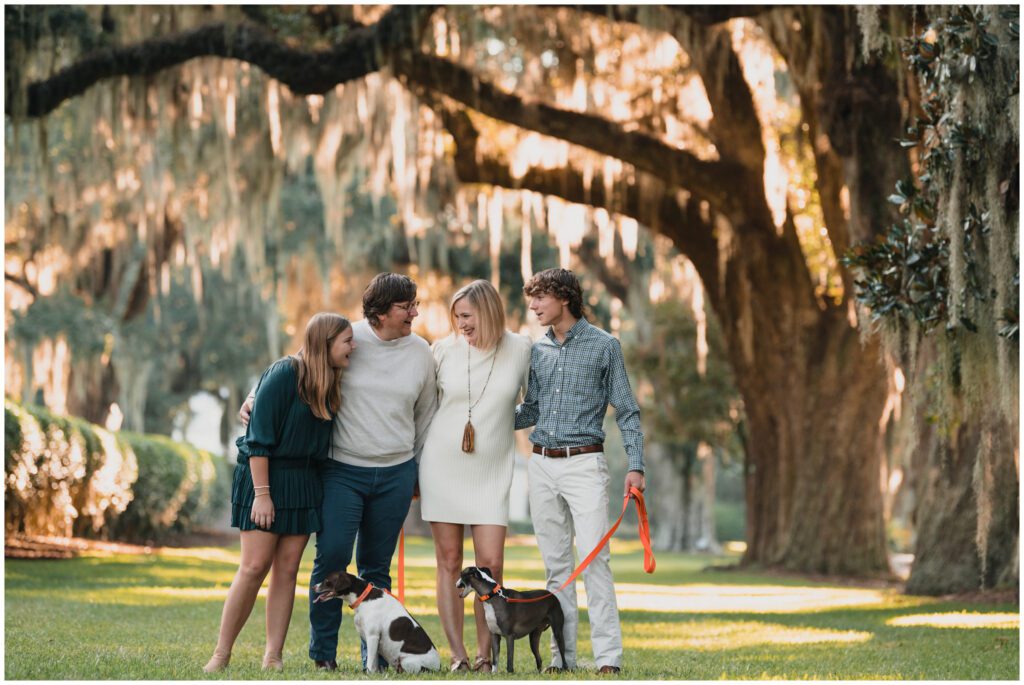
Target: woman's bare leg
x=281, y=595
x=489, y=551
x=450, y=607
x=257, y=556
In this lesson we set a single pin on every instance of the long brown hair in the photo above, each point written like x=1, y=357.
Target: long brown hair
x=319, y=382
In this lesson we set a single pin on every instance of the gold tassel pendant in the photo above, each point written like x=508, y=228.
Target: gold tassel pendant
x=468, y=438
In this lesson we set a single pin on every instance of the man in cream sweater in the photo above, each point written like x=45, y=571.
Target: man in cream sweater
x=388, y=397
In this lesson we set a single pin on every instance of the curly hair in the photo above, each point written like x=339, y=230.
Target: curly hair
x=385, y=290
x=560, y=283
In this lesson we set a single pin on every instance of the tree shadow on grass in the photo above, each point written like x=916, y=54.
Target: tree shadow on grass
x=846, y=643
x=117, y=571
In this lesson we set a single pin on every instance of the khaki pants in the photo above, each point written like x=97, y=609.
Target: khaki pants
x=570, y=496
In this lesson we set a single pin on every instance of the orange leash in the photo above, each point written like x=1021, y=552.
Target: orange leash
x=645, y=540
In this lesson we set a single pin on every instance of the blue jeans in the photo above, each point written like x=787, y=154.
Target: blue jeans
x=362, y=505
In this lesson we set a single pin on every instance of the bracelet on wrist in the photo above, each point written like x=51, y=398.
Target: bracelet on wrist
x=261, y=494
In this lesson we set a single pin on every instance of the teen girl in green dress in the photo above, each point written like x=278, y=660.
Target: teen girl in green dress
x=277, y=493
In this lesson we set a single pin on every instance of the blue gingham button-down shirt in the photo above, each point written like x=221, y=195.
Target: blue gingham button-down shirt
x=571, y=385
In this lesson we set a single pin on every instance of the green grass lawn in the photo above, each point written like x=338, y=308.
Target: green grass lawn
x=156, y=617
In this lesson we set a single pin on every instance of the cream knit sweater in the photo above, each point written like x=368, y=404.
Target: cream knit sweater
x=456, y=487
x=388, y=396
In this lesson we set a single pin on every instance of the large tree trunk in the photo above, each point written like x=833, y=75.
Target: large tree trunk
x=814, y=396
x=814, y=489
x=966, y=478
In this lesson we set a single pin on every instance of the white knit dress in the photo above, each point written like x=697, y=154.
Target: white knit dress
x=456, y=487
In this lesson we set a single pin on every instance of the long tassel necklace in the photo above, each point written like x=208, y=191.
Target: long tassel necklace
x=469, y=435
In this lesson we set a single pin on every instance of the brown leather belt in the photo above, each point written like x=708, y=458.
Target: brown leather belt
x=563, y=452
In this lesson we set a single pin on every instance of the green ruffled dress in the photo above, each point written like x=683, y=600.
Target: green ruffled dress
x=283, y=428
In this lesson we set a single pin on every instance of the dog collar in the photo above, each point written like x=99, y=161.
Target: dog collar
x=360, y=598
x=496, y=590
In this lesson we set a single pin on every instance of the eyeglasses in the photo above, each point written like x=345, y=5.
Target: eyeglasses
x=408, y=307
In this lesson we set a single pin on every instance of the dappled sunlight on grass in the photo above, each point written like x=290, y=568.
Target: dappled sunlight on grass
x=225, y=555
x=191, y=576
x=707, y=598
x=957, y=620
x=417, y=599
x=154, y=616
x=714, y=635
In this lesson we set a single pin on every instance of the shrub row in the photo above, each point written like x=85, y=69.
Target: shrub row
x=65, y=476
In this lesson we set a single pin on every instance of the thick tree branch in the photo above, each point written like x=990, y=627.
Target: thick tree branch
x=392, y=41
x=677, y=167
x=852, y=110
x=303, y=71
x=690, y=229
x=735, y=128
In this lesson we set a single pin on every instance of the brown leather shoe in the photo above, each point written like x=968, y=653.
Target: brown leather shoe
x=604, y=670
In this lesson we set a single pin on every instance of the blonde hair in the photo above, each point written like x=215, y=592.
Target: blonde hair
x=490, y=312
x=319, y=382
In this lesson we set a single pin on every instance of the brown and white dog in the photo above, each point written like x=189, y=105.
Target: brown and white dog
x=383, y=623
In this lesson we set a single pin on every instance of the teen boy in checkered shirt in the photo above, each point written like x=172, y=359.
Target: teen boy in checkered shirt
x=576, y=371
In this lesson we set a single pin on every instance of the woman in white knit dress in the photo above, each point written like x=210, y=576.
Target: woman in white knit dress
x=467, y=460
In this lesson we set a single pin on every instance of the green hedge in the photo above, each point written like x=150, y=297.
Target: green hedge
x=65, y=476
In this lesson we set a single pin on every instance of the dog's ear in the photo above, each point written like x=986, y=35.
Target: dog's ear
x=486, y=571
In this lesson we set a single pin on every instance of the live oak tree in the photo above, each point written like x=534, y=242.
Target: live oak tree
x=943, y=284
x=813, y=382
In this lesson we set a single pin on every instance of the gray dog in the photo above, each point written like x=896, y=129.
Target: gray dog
x=513, y=620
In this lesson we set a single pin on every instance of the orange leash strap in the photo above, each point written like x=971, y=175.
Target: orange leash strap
x=645, y=540
x=644, y=530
